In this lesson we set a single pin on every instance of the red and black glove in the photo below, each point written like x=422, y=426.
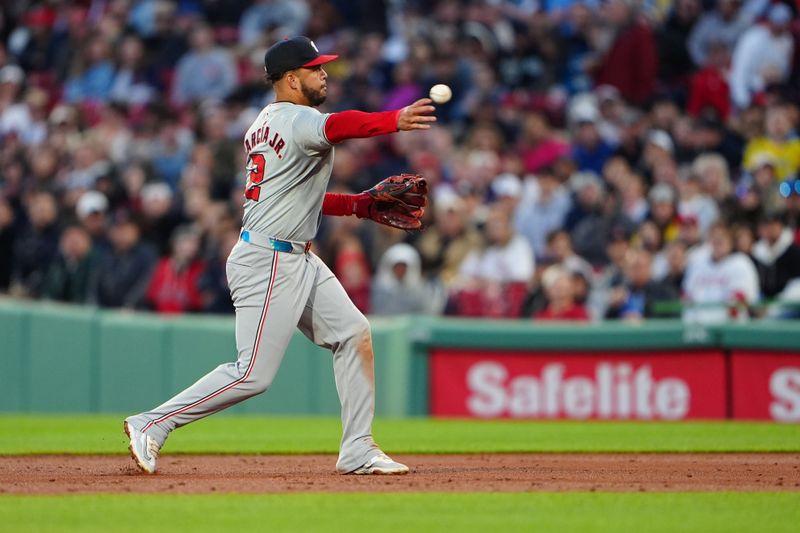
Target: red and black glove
x=397, y=201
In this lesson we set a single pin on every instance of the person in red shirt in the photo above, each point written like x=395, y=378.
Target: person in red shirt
x=173, y=287
x=559, y=287
x=708, y=87
x=540, y=146
x=352, y=269
x=631, y=62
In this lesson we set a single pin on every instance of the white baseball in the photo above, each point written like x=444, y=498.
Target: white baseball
x=441, y=93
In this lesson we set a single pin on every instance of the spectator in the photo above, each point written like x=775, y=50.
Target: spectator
x=690, y=233
x=398, y=287
x=352, y=268
x=709, y=91
x=664, y=115
x=649, y=237
x=559, y=288
x=750, y=123
x=634, y=203
x=174, y=285
x=166, y=41
x=142, y=16
x=667, y=171
x=780, y=142
x=69, y=277
x=674, y=62
x=613, y=113
x=617, y=245
x=288, y=17
x=444, y=245
x=88, y=165
x=493, y=281
x=560, y=252
x=675, y=260
x=576, y=34
x=776, y=254
x=15, y=116
x=91, y=210
x=110, y=134
x=206, y=72
x=29, y=42
x=172, y=150
x=593, y=234
x=663, y=211
x=719, y=286
x=506, y=189
x=540, y=147
x=694, y=202
x=724, y=24
x=589, y=196
x=638, y=296
x=743, y=241
x=659, y=147
x=715, y=179
x=224, y=152
x=92, y=76
x=582, y=284
x=631, y=62
x=213, y=283
x=124, y=273
x=589, y=150
x=711, y=135
x=159, y=218
x=542, y=209
x=36, y=244
x=133, y=83
x=763, y=171
x=762, y=57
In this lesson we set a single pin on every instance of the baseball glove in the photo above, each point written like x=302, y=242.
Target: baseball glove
x=397, y=201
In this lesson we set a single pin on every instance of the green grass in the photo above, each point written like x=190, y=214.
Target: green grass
x=462, y=512
x=238, y=434
x=562, y=512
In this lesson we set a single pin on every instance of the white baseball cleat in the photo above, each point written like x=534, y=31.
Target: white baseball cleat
x=381, y=464
x=143, y=448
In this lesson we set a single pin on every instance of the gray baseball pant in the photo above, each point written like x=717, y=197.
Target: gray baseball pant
x=273, y=293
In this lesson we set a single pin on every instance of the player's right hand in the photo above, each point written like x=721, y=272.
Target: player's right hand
x=416, y=116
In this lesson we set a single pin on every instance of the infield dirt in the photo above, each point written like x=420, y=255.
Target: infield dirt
x=60, y=474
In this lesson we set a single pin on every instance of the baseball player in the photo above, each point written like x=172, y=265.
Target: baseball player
x=276, y=283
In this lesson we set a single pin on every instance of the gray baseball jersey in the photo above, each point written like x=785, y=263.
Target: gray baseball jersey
x=289, y=164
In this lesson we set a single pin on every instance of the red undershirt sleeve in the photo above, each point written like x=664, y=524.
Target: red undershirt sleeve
x=337, y=204
x=342, y=205
x=358, y=124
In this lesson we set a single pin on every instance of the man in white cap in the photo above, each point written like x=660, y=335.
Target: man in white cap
x=91, y=209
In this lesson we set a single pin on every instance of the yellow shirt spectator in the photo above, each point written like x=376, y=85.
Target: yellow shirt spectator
x=785, y=154
x=776, y=143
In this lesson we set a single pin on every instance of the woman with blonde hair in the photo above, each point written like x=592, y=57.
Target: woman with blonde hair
x=714, y=175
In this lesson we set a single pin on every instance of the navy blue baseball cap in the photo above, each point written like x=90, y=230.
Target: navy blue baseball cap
x=290, y=54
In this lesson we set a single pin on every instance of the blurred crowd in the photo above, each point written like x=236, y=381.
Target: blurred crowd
x=618, y=159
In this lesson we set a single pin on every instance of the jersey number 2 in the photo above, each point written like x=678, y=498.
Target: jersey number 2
x=255, y=175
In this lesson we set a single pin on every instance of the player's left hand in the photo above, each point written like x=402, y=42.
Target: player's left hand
x=416, y=116
x=397, y=201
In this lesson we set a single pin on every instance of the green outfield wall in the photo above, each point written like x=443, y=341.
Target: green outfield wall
x=56, y=358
